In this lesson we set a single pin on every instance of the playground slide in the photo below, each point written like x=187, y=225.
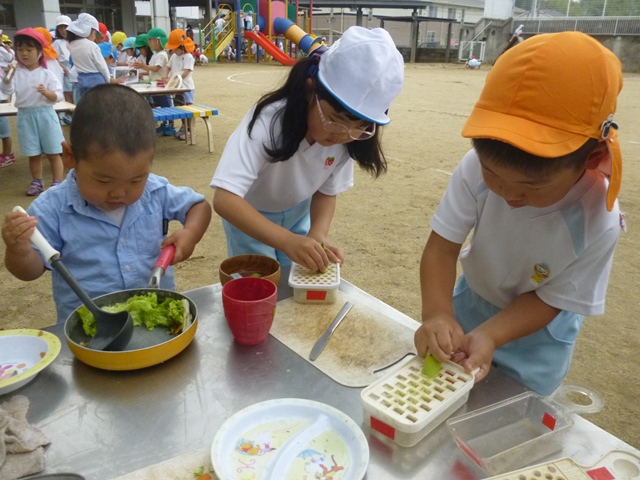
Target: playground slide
x=270, y=48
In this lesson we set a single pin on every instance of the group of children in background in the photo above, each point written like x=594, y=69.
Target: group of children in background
x=537, y=193
x=46, y=69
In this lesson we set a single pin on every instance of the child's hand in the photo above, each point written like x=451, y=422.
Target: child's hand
x=475, y=351
x=335, y=253
x=439, y=335
x=17, y=230
x=308, y=252
x=42, y=89
x=185, y=242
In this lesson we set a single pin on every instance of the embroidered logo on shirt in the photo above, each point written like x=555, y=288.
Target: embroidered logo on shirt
x=540, y=273
x=329, y=161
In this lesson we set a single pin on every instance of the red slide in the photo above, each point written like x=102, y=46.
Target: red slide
x=262, y=40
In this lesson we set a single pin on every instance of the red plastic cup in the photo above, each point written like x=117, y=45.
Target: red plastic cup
x=249, y=305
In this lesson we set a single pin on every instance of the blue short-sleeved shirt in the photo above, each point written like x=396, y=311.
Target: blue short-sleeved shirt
x=103, y=256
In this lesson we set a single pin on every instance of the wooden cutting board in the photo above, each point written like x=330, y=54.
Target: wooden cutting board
x=364, y=343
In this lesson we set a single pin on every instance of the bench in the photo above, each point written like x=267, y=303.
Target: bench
x=188, y=113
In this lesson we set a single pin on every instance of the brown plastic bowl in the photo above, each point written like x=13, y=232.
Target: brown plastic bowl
x=248, y=265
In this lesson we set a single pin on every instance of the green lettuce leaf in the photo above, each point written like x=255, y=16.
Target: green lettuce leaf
x=144, y=310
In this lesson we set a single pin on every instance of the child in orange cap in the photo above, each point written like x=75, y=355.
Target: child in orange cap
x=181, y=64
x=539, y=191
x=51, y=55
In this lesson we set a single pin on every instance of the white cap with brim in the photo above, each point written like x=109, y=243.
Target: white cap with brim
x=364, y=71
x=83, y=25
x=63, y=20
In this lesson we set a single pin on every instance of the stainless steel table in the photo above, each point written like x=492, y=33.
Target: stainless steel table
x=148, y=89
x=105, y=424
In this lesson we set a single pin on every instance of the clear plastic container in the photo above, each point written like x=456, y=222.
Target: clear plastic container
x=405, y=406
x=519, y=430
x=314, y=287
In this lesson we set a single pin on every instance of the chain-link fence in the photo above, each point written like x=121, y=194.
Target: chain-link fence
x=589, y=25
x=582, y=8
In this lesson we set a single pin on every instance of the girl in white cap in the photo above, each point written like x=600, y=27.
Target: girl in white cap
x=85, y=54
x=280, y=172
x=61, y=45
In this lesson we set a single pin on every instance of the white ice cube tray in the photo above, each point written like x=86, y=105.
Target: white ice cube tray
x=314, y=287
x=615, y=465
x=405, y=406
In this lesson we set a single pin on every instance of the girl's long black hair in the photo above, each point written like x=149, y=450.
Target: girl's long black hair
x=368, y=153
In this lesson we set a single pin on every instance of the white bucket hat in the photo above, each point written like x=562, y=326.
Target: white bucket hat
x=83, y=25
x=63, y=20
x=364, y=71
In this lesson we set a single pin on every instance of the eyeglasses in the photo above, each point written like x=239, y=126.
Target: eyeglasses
x=364, y=133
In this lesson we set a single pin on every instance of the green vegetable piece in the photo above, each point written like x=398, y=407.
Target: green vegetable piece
x=431, y=367
x=256, y=275
x=198, y=471
x=144, y=309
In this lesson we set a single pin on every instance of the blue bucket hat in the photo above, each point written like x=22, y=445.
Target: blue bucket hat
x=129, y=43
x=107, y=50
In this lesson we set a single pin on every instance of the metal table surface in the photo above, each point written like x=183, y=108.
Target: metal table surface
x=148, y=89
x=105, y=424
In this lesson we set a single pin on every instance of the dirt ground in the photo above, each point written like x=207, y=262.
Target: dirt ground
x=383, y=224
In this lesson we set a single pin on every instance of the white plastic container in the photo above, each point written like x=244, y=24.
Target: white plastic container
x=519, y=430
x=405, y=406
x=314, y=287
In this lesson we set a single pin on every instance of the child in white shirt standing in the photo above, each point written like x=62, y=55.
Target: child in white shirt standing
x=157, y=39
x=181, y=63
x=7, y=56
x=61, y=46
x=85, y=54
x=118, y=39
x=51, y=55
x=36, y=89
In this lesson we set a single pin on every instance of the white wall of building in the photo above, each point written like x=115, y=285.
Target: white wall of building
x=501, y=9
x=160, y=10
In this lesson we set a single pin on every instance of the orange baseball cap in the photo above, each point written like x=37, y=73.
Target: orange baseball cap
x=549, y=95
x=102, y=29
x=47, y=49
x=179, y=38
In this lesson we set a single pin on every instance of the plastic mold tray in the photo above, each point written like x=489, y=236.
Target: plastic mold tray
x=615, y=465
x=405, y=406
x=314, y=287
x=519, y=430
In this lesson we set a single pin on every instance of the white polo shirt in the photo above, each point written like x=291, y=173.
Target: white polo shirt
x=563, y=252
x=244, y=168
x=178, y=63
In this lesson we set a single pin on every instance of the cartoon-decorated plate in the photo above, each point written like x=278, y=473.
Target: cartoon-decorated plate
x=290, y=439
x=24, y=353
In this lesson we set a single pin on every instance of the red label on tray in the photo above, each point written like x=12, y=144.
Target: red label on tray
x=383, y=428
x=469, y=452
x=549, y=421
x=600, y=474
x=316, y=294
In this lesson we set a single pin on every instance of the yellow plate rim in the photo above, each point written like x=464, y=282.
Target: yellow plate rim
x=52, y=353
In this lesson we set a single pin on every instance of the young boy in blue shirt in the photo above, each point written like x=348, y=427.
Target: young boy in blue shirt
x=539, y=193
x=109, y=218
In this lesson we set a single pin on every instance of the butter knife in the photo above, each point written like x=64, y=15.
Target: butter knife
x=322, y=341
